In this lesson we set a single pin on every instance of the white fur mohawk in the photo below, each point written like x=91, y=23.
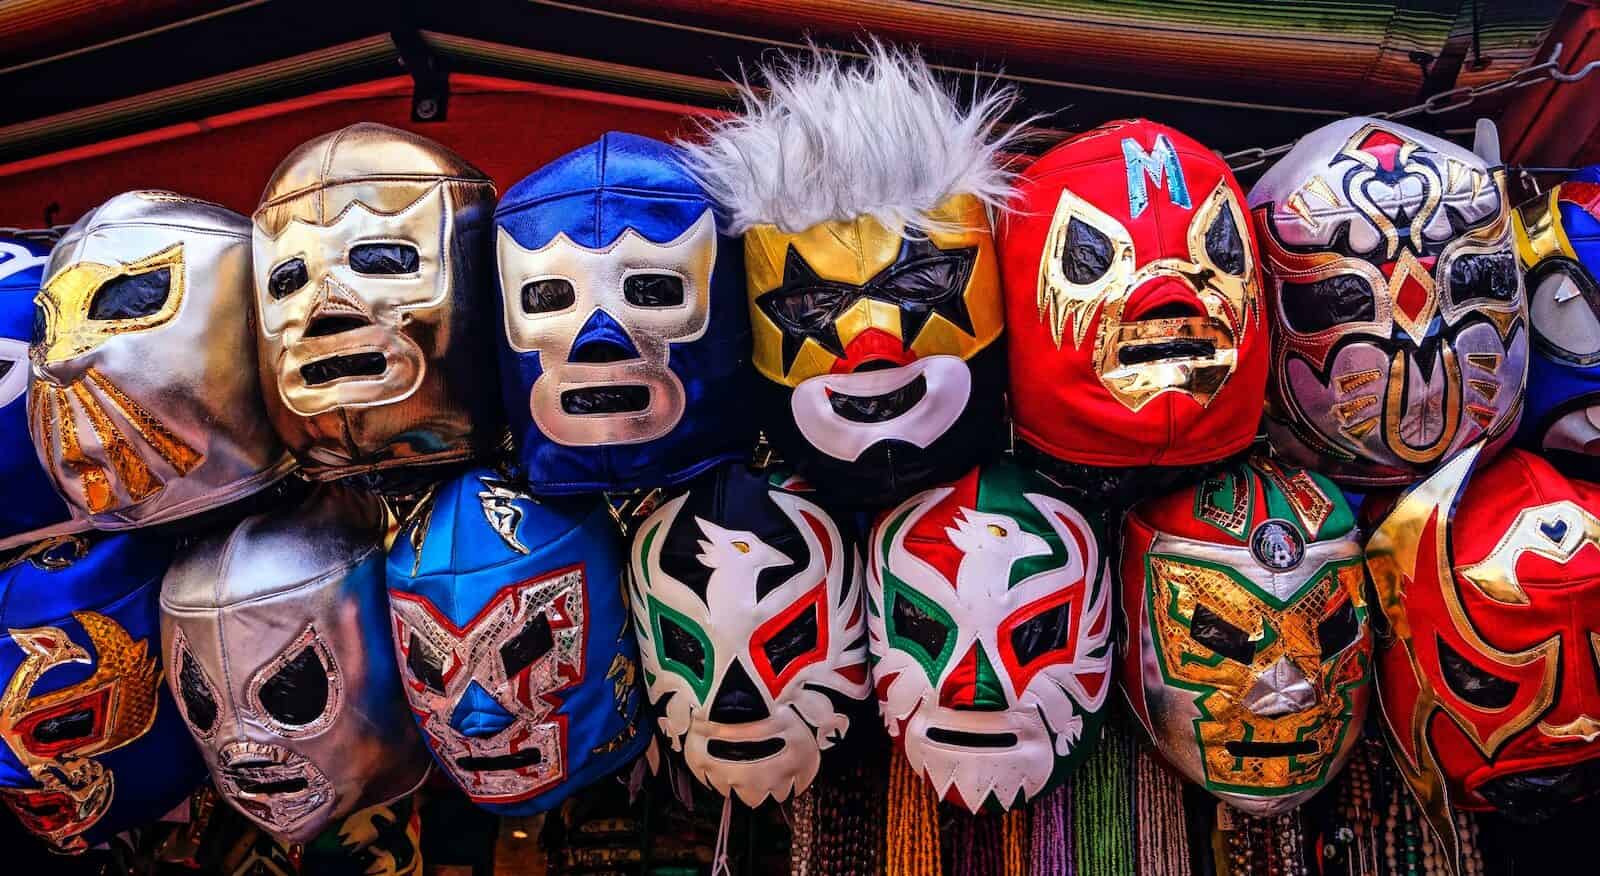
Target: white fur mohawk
x=832, y=141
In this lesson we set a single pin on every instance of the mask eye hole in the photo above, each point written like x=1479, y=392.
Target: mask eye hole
x=548, y=295
x=1045, y=632
x=131, y=296
x=1482, y=689
x=1564, y=322
x=797, y=638
x=380, y=259
x=1209, y=629
x=653, y=290
x=917, y=627
x=55, y=730
x=199, y=704
x=531, y=643
x=931, y=280
x=682, y=647
x=297, y=693
x=1087, y=254
x=1339, y=630
x=1224, y=246
x=425, y=665
x=287, y=278
x=1323, y=304
x=1488, y=275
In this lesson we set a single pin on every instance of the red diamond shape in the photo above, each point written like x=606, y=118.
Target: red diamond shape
x=1383, y=146
x=1412, y=298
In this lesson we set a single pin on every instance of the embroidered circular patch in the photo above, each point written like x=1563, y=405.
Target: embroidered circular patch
x=1277, y=545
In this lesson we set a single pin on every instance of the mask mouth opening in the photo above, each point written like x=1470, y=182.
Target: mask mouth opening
x=1177, y=348
x=1257, y=748
x=878, y=408
x=755, y=749
x=338, y=367
x=1536, y=795
x=968, y=739
x=490, y=763
x=323, y=326
x=269, y=786
x=624, y=398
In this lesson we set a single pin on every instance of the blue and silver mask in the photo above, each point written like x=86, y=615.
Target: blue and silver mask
x=626, y=330
x=511, y=630
x=32, y=510
x=93, y=744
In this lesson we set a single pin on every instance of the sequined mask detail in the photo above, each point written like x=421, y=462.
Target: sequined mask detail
x=91, y=432
x=57, y=735
x=602, y=321
x=488, y=691
x=336, y=301
x=298, y=692
x=1089, y=266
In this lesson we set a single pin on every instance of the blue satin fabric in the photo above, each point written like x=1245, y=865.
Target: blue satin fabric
x=593, y=195
x=465, y=563
x=30, y=507
x=120, y=578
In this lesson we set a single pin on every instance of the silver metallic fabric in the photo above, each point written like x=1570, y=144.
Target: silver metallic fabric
x=143, y=405
x=277, y=642
x=371, y=266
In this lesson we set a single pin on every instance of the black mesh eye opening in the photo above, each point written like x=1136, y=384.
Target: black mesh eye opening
x=1339, y=630
x=930, y=280
x=198, y=702
x=682, y=647
x=131, y=296
x=379, y=259
x=1209, y=629
x=1224, y=245
x=297, y=694
x=1323, y=304
x=653, y=290
x=1044, y=632
x=64, y=728
x=548, y=295
x=424, y=665
x=1482, y=689
x=798, y=637
x=1487, y=275
x=531, y=643
x=912, y=623
x=1087, y=255
x=287, y=278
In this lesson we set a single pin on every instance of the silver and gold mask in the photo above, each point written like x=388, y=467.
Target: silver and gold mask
x=370, y=260
x=138, y=406
x=277, y=642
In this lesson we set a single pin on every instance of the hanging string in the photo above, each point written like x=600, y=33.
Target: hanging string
x=1050, y=845
x=1162, y=830
x=719, y=859
x=1014, y=842
x=911, y=823
x=1102, y=807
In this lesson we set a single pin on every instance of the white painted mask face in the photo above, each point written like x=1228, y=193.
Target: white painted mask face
x=751, y=627
x=602, y=321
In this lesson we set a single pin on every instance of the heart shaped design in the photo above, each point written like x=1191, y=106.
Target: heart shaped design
x=1555, y=530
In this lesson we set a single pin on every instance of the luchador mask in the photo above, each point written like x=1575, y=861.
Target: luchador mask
x=1393, y=283
x=1133, y=302
x=1558, y=242
x=93, y=743
x=747, y=602
x=371, y=277
x=1491, y=582
x=139, y=406
x=1249, y=650
x=990, y=618
x=627, y=339
x=511, y=629
x=32, y=510
x=870, y=264
x=277, y=637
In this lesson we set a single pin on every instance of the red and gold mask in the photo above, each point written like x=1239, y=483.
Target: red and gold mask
x=1133, y=301
x=1489, y=686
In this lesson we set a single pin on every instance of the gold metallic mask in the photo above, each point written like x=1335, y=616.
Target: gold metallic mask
x=369, y=369
x=124, y=688
x=1281, y=635
x=854, y=252
x=1230, y=300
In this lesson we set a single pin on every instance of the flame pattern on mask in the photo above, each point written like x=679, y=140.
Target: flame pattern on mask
x=751, y=626
x=991, y=635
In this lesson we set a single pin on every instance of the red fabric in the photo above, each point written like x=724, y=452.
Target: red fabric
x=1174, y=513
x=1057, y=399
x=927, y=540
x=1563, y=603
x=506, y=128
x=1137, y=537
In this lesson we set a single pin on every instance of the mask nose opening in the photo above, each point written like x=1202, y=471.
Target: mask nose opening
x=335, y=324
x=738, y=701
x=601, y=340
